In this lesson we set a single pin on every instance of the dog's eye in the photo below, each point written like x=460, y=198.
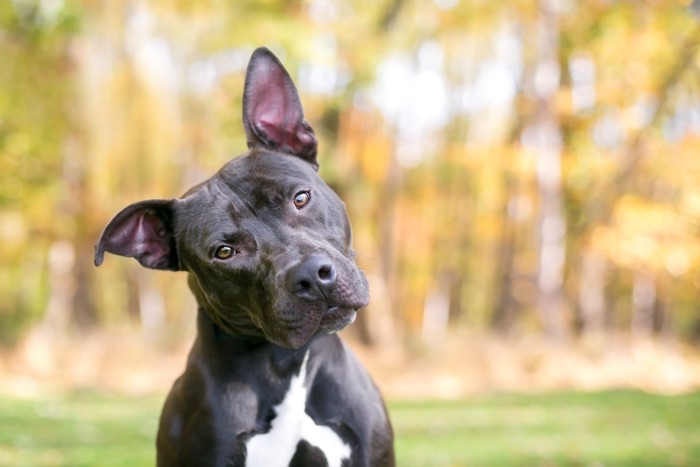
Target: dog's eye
x=301, y=199
x=224, y=252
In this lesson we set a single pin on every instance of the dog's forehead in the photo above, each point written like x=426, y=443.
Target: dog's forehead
x=257, y=183
x=263, y=170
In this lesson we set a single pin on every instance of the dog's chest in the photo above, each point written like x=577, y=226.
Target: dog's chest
x=294, y=438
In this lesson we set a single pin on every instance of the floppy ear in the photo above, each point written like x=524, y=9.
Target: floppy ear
x=272, y=113
x=143, y=231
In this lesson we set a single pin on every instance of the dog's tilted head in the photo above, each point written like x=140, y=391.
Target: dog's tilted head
x=266, y=242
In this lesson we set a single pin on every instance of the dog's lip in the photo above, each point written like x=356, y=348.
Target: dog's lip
x=336, y=318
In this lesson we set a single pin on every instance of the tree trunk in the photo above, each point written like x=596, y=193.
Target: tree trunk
x=387, y=216
x=643, y=302
x=504, y=309
x=592, y=293
x=546, y=135
x=79, y=206
x=62, y=284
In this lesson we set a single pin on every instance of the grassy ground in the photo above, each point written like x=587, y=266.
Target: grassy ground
x=617, y=428
x=568, y=429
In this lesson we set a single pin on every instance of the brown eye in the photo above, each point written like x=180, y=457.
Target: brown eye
x=224, y=252
x=301, y=199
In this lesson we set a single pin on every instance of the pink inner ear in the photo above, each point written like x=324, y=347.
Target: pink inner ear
x=143, y=237
x=132, y=237
x=272, y=112
x=272, y=133
x=276, y=114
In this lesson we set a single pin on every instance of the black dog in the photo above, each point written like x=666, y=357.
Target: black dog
x=267, y=245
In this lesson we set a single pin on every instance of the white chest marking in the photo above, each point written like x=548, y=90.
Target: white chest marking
x=291, y=425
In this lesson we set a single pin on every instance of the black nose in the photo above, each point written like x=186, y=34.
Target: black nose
x=312, y=279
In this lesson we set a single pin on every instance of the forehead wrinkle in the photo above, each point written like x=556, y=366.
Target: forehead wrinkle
x=235, y=202
x=210, y=229
x=231, y=202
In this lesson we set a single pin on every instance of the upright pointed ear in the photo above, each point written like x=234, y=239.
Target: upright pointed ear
x=143, y=231
x=272, y=113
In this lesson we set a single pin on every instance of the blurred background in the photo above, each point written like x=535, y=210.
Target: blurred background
x=522, y=178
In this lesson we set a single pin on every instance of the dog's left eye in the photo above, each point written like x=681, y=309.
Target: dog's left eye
x=224, y=252
x=301, y=199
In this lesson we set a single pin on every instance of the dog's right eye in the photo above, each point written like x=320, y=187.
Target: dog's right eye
x=224, y=252
x=301, y=199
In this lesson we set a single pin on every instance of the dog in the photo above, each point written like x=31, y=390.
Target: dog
x=267, y=246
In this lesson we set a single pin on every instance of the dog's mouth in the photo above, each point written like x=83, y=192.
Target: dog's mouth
x=295, y=317
x=336, y=318
x=295, y=334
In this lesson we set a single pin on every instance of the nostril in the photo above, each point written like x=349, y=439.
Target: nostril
x=303, y=285
x=325, y=272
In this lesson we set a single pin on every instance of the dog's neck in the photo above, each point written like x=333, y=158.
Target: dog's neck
x=243, y=340
x=212, y=333
x=236, y=347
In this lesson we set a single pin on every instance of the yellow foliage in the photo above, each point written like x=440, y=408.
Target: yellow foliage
x=651, y=237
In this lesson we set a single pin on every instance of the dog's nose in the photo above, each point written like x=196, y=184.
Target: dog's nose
x=312, y=279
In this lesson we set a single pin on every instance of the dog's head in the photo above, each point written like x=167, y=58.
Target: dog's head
x=266, y=242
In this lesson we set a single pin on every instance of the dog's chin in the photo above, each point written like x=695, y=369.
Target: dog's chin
x=336, y=318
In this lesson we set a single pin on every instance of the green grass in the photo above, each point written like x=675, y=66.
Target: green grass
x=618, y=428
x=83, y=429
